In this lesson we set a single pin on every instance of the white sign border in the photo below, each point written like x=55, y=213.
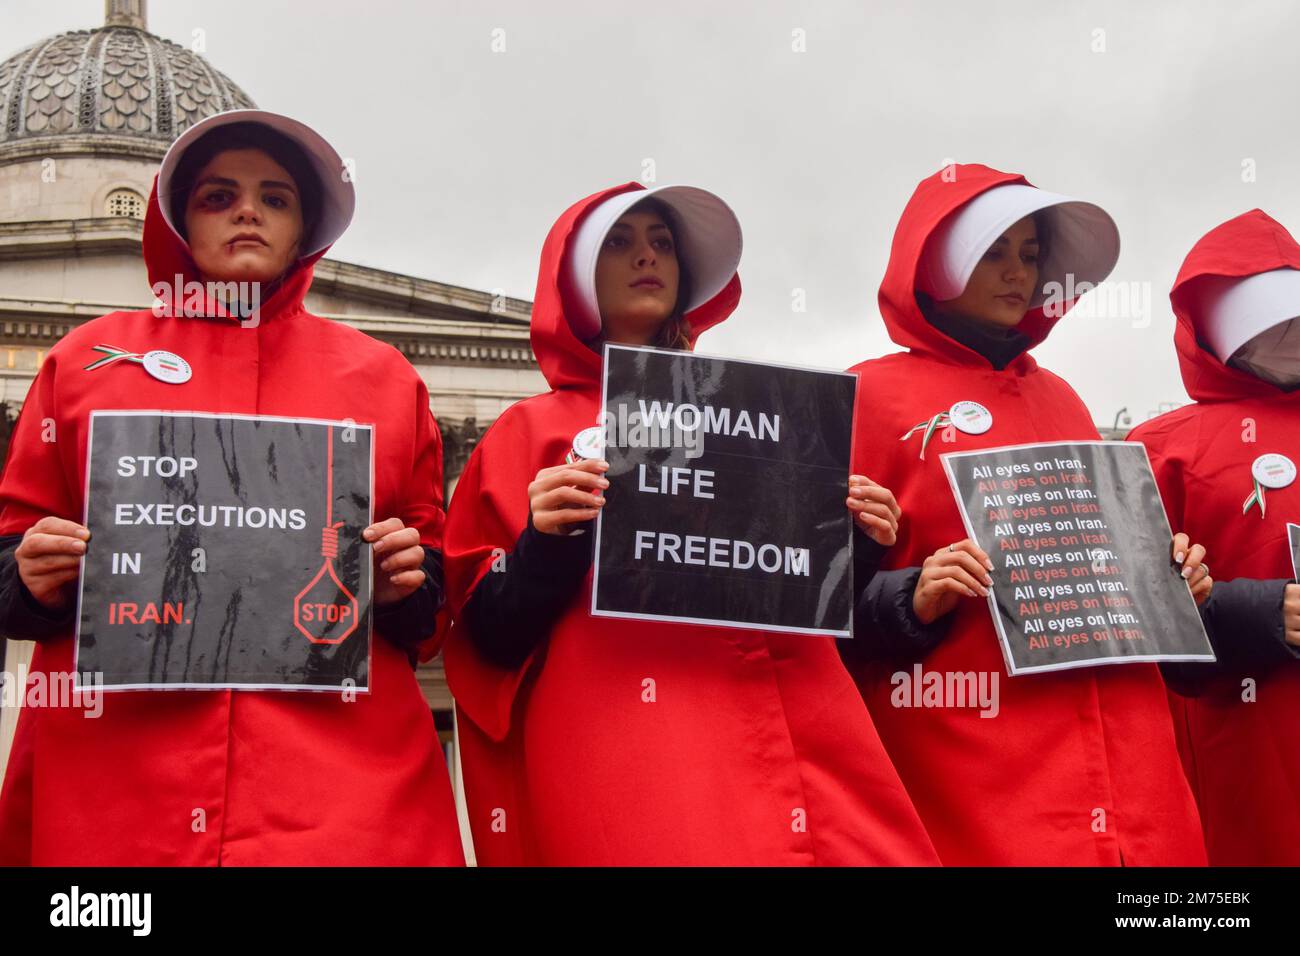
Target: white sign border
x=1292, y=540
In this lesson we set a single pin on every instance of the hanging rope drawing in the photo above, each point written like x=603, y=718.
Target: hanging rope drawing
x=326, y=604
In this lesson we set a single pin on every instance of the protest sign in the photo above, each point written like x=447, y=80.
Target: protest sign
x=1081, y=550
x=226, y=552
x=726, y=498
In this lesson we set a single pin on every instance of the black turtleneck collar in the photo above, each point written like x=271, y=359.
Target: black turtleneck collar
x=999, y=346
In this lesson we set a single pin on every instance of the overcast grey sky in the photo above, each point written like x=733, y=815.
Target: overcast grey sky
x=465, y=156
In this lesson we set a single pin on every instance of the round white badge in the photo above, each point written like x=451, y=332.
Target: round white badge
x=589, y=443
x=167, y=367
x=971, y=418
x=1273, y=470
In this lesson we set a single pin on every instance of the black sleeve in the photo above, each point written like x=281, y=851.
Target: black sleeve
x=1243, y=619
x=512, y=609
x=867, y=557
x=885, y=625
x=22, y=617
x=412, y=620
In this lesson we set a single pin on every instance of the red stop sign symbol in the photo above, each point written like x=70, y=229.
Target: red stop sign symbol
x=325, y=611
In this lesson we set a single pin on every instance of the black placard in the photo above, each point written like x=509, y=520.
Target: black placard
x=1080, y=546
x=226, y=552
x=726, y=498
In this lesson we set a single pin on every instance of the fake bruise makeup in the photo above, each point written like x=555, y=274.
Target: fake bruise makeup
x=244, y=218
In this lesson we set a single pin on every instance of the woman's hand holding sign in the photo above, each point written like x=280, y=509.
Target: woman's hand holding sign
x=49, y=557
x=402, y=566
x=953, y=572
x=558, y=499
x=875, y=510
x=1195, y=570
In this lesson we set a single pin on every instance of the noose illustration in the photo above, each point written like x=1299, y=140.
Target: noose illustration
x=332, y=605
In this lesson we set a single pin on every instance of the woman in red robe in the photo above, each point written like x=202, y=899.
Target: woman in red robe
x=1226, y=465
x=598, y=741
x=1075, y=767
x=228, y=776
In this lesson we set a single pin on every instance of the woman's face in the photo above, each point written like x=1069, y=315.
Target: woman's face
x=1004, y=280
x=244, y=218
x=637, y=276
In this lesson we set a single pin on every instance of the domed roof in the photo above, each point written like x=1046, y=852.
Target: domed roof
x=118, y=80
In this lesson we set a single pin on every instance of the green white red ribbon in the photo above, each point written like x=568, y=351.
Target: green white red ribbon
x=1256, y=498
x=941, y=420
x=113, y=354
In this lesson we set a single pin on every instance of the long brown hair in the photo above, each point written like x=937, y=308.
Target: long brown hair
x=674, y=334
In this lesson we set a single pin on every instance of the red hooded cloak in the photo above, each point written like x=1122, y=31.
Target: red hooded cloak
x=1078, y=767
x=279, y=778
x=1243, y=758
x=755, y=748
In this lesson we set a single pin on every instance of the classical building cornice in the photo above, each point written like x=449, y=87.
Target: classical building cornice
x=70, y=237
x=97, y=146
x=441, y=341
x=419, y=297
x=410, y=295
x=45, y=321
x=441, y=323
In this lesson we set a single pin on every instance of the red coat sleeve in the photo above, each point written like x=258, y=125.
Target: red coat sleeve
x=422, y=503
x=488, y=512
x=38, y=477
x=1167, y=464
